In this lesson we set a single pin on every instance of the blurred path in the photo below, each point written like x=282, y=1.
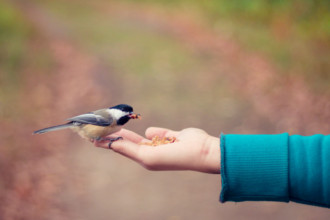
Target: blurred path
x=285, y=101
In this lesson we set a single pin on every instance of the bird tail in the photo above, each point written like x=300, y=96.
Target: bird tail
x=54, y=128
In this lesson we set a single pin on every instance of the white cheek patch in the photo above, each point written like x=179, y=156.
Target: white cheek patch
x=117, y=114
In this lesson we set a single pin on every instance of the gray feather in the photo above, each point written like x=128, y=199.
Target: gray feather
x=91, y=118
x=54, y=128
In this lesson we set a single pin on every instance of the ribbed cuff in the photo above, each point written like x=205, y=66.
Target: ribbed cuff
x=254, y=167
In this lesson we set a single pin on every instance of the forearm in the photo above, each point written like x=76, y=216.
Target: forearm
x=309, y=173
x=275, y=168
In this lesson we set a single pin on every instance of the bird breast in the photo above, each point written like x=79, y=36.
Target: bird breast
x=89, y=131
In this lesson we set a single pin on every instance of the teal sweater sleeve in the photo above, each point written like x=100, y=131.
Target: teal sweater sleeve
x=276, y=168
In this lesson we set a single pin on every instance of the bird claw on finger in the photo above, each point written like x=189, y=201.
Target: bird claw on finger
x=111, y=140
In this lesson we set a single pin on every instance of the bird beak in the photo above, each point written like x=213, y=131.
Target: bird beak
x=134, y=116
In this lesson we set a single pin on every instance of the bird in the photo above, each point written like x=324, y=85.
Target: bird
x=96, y=125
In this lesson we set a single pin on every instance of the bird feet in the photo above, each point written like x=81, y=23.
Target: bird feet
x=111, y=140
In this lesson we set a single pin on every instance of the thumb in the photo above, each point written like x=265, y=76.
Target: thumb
x=160, y=132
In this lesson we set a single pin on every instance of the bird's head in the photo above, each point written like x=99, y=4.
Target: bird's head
x=123, y=113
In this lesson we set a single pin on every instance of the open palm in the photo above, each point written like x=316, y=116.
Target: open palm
x=194, y=150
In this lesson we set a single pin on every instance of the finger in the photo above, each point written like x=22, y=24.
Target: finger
x=102, y=143
x=128, y=149
x=160, y=132
x=136, y=152
x=130, y=135
x=142, y=154
x=164, y=158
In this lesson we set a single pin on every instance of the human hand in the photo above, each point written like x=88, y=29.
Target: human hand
x=195, y=150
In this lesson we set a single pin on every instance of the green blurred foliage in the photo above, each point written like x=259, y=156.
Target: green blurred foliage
x=294, y=34
x=312, y=14
x=22, y=53
x=13, y=36
x=13, y=40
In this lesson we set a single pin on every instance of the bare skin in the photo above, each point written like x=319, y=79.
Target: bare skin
x=195, y=149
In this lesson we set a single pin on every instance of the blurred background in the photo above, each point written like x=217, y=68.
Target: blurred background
x=223, y=66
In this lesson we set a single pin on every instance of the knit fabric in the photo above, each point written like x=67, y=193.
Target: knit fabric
x=275, y=168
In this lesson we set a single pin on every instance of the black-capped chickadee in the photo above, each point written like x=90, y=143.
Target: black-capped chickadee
x=98, y=124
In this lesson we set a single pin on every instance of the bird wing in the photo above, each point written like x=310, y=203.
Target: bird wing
x=91, y=118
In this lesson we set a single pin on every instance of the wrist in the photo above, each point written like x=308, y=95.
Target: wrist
x=214, y=155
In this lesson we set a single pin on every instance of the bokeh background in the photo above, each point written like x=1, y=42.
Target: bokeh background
x=224, y=66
